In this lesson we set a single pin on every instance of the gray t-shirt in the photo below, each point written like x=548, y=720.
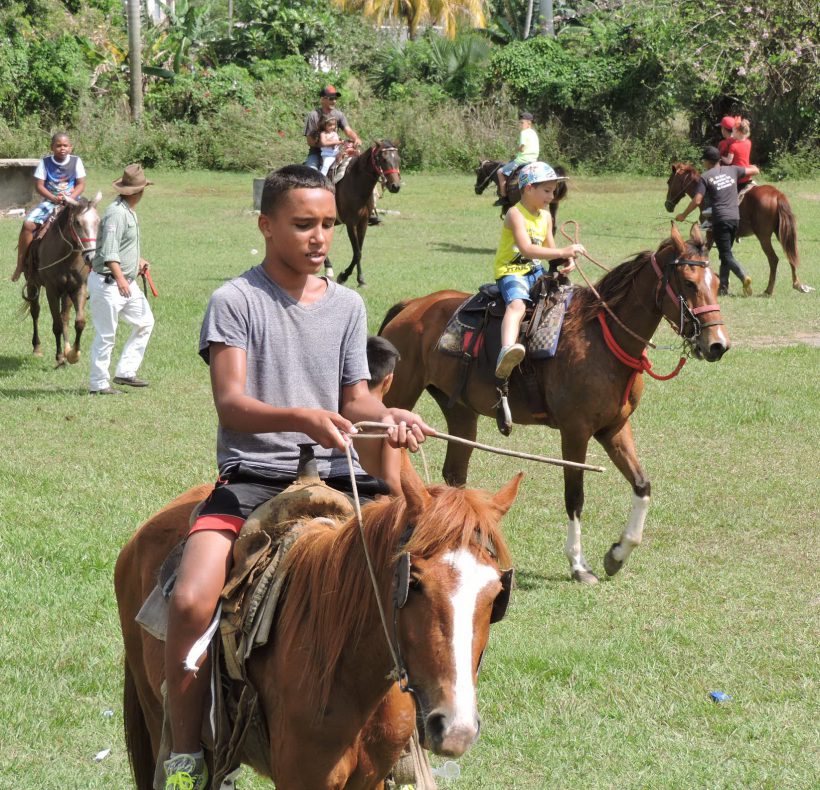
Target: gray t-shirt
x=313, y=119
x=719, y=188
x=297, y=355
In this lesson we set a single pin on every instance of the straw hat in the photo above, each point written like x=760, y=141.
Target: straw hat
x=133, y=180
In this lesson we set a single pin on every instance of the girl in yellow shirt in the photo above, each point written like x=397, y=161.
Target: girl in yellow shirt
x=526, y=239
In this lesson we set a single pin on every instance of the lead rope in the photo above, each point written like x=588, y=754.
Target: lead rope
x=574, y=239
x=398, y=673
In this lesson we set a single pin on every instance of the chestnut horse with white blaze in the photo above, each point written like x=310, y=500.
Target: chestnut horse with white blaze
x=592, y=385
x=58, y=262
x=764, y=211
x=336, y=718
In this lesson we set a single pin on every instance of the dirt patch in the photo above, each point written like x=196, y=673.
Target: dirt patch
x=804, y=338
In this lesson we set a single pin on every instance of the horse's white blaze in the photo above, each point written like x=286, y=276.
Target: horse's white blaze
x=633, y=533
x=473, y=577
x=572, y=548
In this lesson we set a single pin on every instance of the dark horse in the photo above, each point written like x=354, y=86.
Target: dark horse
x=57, y=262
x=334, y=716
x=354, y=194
x=764, y=211
x=586, y=390
x=487, y=172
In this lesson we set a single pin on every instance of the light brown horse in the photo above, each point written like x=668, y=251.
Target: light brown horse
x=354, y=196
x=335, y=718
x=764, y=211
x=58, y=262
x=585, y=389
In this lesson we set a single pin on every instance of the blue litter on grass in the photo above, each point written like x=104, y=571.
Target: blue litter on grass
x=719, y=696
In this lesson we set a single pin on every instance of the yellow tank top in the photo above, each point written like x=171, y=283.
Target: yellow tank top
x=508, y=259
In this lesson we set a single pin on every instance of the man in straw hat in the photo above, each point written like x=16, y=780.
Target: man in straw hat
x=112, y=291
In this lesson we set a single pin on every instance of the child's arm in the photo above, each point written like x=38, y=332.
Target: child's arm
x=515, y=222
x=239, y=412
x=328, y=138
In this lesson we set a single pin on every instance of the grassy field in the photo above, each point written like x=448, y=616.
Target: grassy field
x=603, y=687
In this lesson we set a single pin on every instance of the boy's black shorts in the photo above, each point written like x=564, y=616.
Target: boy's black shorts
x=242, y=490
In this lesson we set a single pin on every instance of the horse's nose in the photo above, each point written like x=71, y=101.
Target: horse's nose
x=716, y=351
x=669, y=206
x=448, y=738
x=394, y=188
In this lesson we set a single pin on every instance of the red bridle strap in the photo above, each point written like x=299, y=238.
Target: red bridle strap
x=379, y=171
x=707, y=308
x=642, y=365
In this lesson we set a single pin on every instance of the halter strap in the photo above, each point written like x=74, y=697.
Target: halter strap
x=382, y=172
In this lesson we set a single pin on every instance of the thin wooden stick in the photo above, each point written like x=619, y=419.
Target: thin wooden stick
x=478, y=446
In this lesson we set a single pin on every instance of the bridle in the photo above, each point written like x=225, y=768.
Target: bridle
x=686, y=313
x=376, y=153
x=87, y=246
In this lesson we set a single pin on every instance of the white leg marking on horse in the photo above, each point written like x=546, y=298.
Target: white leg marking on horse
x=633, y=534
x=472, y=579
x=572, y=548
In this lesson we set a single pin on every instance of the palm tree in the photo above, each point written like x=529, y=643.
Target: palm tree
x=415, y=13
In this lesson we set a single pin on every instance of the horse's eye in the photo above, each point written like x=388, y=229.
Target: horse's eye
x=692, y=286
x=415, y=582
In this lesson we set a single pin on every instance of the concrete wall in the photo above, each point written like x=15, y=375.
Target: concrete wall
x=17, y=183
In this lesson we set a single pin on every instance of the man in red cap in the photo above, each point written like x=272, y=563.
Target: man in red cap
x=327, y=98
x=727, y=126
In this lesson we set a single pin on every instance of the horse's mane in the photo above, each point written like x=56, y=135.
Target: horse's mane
x=614, y=287
x=330, y=600
x=686, y=168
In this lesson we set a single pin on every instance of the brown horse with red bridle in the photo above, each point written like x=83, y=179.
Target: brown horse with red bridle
x=592, y=385
x=354, y=196
x=330, y=680
x=764, y=211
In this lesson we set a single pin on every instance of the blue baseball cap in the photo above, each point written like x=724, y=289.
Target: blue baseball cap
x=537, y=173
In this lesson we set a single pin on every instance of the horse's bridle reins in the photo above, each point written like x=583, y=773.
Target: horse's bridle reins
x=382, y=172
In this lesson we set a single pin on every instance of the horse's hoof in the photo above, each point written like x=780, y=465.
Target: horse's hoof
x=73, y=357
x=342, y=278
x=60, y=363
x=803, y=288
x=37, y=352
x=584, y=576
x=362, y=284
x=611, y=565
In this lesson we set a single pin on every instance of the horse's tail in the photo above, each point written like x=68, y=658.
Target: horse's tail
x=137, y=738
x=391, y=314
x=786, y=230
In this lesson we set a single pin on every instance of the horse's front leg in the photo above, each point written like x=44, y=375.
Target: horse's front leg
x=355, y=244
x=78, y=300
x=574, y=448
x=57, y=324
x=361, y=230
x=620, y=447
x=32, y=296
x=463, y=422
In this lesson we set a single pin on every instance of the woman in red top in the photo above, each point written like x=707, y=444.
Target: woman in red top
x=740, y=150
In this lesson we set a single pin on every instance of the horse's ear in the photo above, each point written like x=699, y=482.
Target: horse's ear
x=677, y=240
x=696, y=235
x=70, y=201
x=97, y=198
x=504, y=498
x=412, y=487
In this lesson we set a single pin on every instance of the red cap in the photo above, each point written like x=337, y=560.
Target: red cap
x=329, y=91
x=729, y=122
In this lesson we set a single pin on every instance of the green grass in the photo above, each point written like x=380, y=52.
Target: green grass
x=584, y=688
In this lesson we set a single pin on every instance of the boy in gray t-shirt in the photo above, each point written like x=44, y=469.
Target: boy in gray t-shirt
x=288, y=365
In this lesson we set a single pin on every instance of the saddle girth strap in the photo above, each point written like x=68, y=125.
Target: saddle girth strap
x=467, y=358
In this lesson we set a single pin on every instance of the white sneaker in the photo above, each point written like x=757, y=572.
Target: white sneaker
x=508, y=359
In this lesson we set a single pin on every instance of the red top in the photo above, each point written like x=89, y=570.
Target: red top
x=723, y=145
x=742, y=150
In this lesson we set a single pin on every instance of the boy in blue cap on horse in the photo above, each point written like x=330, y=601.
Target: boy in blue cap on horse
x=526, y=239
x=287, y=356
x=59, y=175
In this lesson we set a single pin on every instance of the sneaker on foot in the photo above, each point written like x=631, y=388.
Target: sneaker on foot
x=185, y=772
x=130, y=381
x=747, y=286
x=508, y=359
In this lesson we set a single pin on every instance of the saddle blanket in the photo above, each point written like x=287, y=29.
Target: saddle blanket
x=474, y=328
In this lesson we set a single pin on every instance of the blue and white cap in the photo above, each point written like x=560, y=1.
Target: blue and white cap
x=537, y=173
